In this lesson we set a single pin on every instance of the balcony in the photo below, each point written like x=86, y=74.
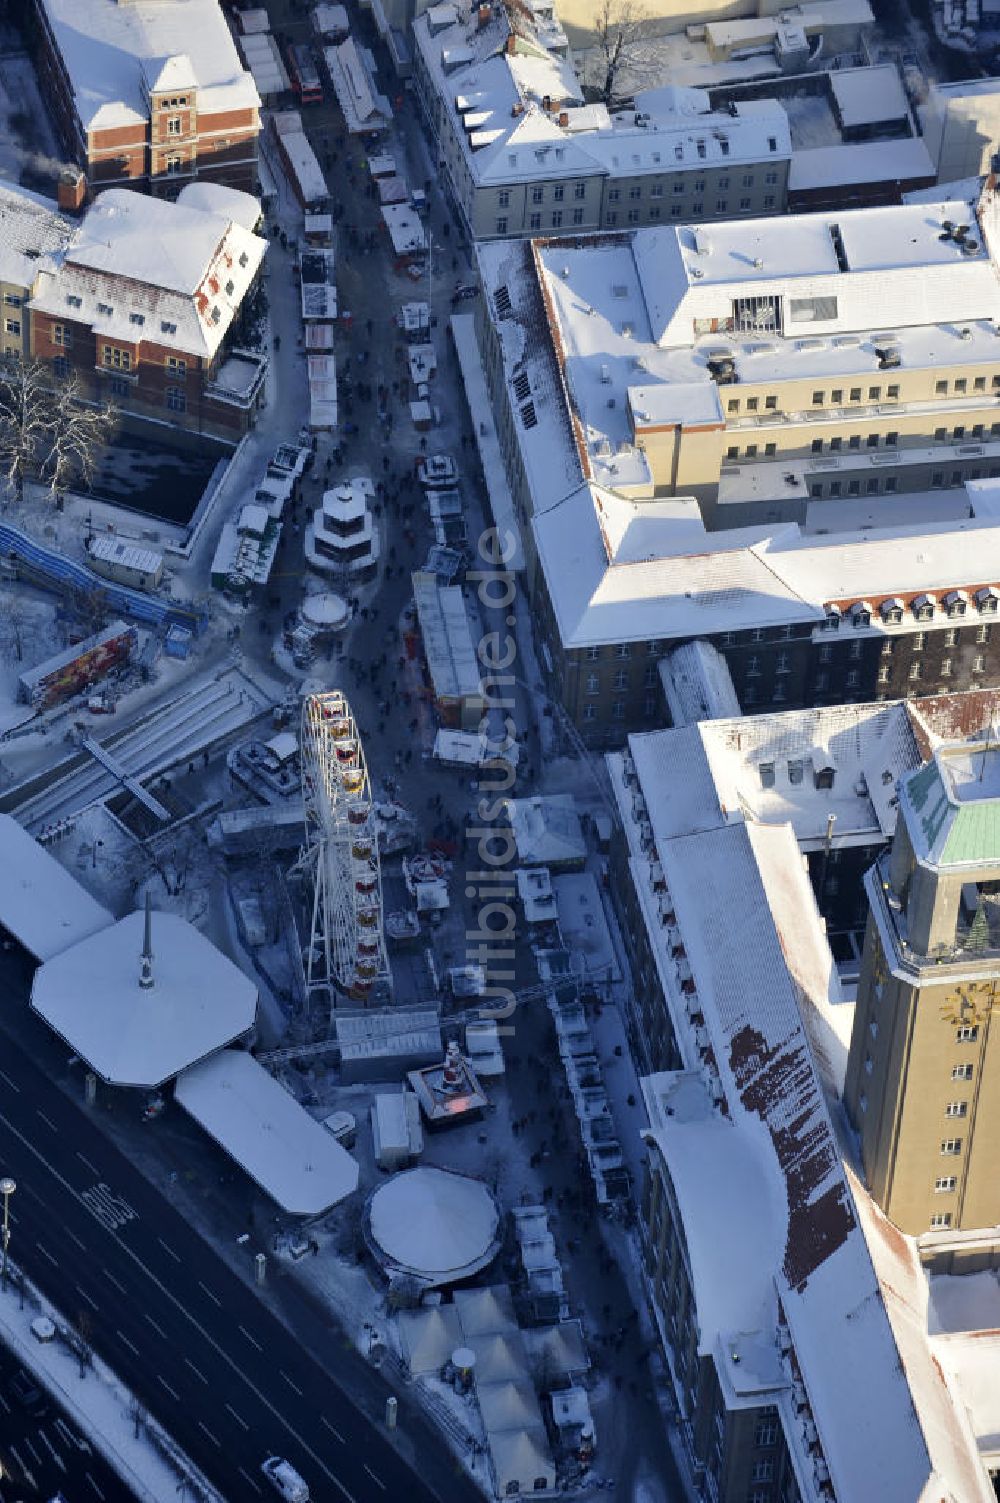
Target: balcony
x=973, y=944
x=239, y=379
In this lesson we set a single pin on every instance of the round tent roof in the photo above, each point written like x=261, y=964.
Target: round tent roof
x=135, y=1035
x=326, y=609
x=439, y=1226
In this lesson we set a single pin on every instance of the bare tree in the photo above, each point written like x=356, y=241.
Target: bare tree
x=47, y=429
x=620, y=29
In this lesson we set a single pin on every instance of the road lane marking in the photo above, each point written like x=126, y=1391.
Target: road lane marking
x=377, y=1480
x=111, y=1210
x=37, y=1454
x=47, y=1120
x=167, y=1386
x=324, y=1421
x=237, y=1417
x=185, y=1314
x=169, y=1250
x=214, y=1298
x=78, y=1240
x=250, y=1479
x=158, y=1329
x=196, y=1371
x=203, y=1426
x=94, y=1485
x=112, y=1280
x=84, y=1295
x=15, y=1088
x=46, y=1254
x=123, y=1338
x=86, y=1163
x=293, y=1386
x=28, y=1475
x=52, y=1451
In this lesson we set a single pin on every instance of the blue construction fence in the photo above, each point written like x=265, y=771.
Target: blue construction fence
x=65, y=574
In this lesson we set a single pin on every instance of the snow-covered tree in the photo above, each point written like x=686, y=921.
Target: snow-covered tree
x=621, y=30
x=47, y=431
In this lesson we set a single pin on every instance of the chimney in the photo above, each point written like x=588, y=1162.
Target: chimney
x=547, y=103
x=485, y=11
x=146, y=969
x=71, y=190
x=511, y=43
x=563, y=118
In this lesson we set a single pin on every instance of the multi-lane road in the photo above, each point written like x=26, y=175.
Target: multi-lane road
x=201, y=1351
x=42, y=1452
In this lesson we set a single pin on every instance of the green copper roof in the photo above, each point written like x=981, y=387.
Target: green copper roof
x=949, y=829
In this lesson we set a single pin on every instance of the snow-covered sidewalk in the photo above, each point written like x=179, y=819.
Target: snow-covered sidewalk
x=103, y=1409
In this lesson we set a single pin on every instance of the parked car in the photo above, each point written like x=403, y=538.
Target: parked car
x=285, y=1479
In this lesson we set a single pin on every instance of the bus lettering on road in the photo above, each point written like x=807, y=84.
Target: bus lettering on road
x=112, y=1211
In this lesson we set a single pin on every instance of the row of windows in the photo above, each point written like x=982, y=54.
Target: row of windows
x=623, y=650
x=621, y=680
x=752, y=404
x=591, y=712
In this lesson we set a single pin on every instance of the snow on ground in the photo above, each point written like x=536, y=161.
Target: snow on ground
x=99, y=1403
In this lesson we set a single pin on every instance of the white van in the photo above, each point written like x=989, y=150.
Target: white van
x=285, y=1479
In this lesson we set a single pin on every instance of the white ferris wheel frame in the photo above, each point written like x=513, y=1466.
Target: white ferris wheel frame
x=347, y=951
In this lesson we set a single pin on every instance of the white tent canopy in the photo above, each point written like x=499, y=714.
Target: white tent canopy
x=284, y=1150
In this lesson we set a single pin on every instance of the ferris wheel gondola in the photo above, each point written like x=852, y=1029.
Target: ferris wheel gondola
x=347, y=945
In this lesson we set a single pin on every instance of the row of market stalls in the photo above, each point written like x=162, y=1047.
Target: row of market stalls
x=248, y=542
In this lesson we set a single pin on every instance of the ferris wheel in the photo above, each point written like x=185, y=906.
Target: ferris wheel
x=347, y=945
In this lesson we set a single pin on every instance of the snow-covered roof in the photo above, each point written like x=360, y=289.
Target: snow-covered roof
x=218, y=198
x=435, y=1224
x=748, y=974
x=142, y=268
x=521, y=1460
x=429, y=1337
x=134, y=1035
x=352, y=74
x=952, y=1379
x=697, y=684
x=41, y=905
x=115, y=550
x=524, y=114
x=115, y=53
x=485, y=1312
x=868, y=96
x=447, y=637
x=547, y=830
x=30, y=227
x=286, y=1152
x=904, y=160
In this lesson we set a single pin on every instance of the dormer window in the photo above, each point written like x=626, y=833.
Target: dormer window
x=892, y=612
x=832, y=622
x=956, y=603
x=72, y=301
x=923, y=608
x=137, y=318
x=106, y=309
x=168, y=328
x=244, y=258
x=230, y=287
x=986, y=600
x=215, y=315
x=861, y=614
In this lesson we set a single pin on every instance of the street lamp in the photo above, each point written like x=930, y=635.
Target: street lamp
x=7, y=1188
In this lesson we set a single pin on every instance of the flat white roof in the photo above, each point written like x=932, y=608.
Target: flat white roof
x=286, y=1152
x=868, y=96
x=135, y=1036
x=45, y=909
x=114, y=51
x=114, y=550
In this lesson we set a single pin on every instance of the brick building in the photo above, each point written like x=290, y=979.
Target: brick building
x=145, y=305
x=148, y=94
